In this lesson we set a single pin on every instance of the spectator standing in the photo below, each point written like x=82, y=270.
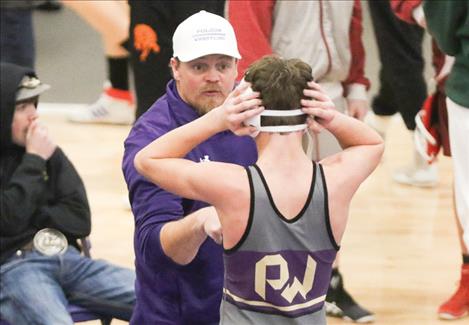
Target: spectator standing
x=402, y=88
x=448, y=22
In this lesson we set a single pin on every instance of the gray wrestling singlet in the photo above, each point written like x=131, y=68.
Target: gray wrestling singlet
x=279, y=271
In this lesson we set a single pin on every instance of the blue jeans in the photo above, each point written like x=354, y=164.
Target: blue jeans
x=36, y=289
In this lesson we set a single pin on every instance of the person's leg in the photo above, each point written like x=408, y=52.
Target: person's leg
x=150, y=78
x=111, y=19
x=402, y=85
x=151, y=72
x=17, y=37
x=383, y=106
x=458, y=119
x=340, y=303
x=457, y=305
x=30, y=293
x=99, y=286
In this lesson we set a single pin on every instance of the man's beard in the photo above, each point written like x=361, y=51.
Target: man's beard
x=203, y=107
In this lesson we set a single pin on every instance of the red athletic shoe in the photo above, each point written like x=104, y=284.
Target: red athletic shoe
x=458, y=305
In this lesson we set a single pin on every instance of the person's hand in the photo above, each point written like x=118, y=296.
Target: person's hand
x=320, y=107
x=240, y=105
x=357, y=108
x=212, y=225
x=38, y=141
x=145, y=40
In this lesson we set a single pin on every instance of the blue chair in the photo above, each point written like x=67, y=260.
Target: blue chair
x=78, y=313
x=81, y=314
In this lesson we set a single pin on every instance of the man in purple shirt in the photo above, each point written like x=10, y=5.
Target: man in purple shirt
x=178, y=260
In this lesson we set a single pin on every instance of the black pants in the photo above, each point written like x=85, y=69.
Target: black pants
x=17, y=36
x=402, y=86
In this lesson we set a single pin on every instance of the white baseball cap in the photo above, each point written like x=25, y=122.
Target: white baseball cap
x=202, y=34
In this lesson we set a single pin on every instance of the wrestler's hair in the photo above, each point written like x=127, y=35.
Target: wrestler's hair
x=280, y=83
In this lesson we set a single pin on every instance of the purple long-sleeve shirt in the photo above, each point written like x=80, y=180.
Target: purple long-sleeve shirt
x=168, y=293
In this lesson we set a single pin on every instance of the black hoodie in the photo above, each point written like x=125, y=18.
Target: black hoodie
x=34, y=193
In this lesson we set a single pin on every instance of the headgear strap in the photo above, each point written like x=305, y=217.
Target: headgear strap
x=256, y=121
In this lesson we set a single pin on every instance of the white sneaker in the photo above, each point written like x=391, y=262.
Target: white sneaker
x=419, y=173
x=417, y=176
x=107, y=110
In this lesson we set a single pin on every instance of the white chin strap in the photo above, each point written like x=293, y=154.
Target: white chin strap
x=256, y=121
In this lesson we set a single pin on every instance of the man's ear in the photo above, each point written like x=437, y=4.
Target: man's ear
x=174, y=63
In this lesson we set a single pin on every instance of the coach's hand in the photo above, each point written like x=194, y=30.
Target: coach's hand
x=212, y=225
x=240, y=105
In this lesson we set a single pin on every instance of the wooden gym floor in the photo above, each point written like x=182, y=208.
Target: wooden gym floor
x=400, y=254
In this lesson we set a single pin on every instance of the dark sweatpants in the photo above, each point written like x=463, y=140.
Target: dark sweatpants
x=17, y=36
x=402, y=86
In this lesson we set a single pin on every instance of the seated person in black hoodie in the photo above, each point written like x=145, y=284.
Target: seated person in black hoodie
x=43, y=211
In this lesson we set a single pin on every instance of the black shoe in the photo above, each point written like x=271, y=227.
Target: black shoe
x=339, y=303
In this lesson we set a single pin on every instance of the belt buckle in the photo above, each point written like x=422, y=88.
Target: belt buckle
x=50, y=242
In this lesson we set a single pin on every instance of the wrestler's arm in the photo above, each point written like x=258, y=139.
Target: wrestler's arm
x=346, y=170
x=162, y=160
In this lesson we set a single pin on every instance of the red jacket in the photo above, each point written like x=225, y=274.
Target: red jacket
x=327, y=35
